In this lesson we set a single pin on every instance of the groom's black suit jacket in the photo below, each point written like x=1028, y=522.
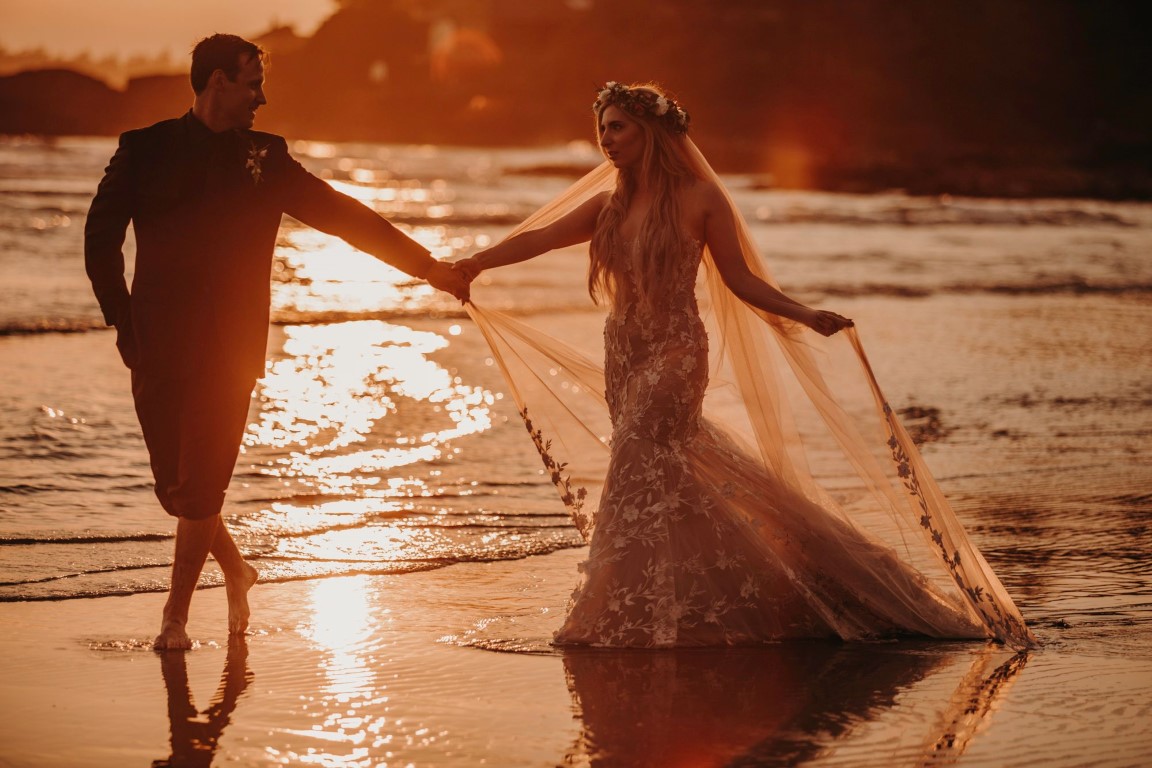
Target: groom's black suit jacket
x=205, y=209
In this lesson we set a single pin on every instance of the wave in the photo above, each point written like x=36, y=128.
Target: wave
x=39, y=325
x=29, y=489
x=563, y=170
x=89, y=538
x=1073, y=286
x=348, y=567
x=92, y=572
x=462, y=220
x=324, y=317
x=918, y=212
x=506, y=522
x=51, y=187
x=1068, y=286
x=321, y=498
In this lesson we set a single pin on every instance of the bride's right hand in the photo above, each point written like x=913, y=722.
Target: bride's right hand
x=827, y=323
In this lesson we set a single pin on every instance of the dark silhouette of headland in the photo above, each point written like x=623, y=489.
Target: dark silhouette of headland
x=977, y=97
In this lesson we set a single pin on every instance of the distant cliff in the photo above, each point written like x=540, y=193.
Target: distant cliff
x=1029, y=97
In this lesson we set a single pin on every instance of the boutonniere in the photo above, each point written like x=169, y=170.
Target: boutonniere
x=255, y=162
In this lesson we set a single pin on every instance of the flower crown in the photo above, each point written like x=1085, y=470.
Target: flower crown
x=641, y=101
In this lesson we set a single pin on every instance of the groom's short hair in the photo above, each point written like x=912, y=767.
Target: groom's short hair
x=223, y=52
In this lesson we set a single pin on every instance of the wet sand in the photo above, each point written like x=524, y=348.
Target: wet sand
x=385, y=671
x=1037, y=426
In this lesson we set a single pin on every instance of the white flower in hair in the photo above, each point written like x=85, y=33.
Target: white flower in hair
x=641, y=102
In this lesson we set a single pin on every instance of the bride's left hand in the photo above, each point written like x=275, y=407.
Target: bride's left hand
x=828, y=323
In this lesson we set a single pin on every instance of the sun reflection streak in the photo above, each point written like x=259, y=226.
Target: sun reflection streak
x=337, y=386
x=342, y=624
x=341, y=621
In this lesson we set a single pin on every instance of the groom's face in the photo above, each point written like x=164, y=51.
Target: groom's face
x=240, y=98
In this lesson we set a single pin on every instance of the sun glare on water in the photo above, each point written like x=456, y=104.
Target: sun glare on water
x=342, y=626
x=336, y=388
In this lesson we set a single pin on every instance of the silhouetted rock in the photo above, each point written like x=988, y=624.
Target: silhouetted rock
x=57, y=102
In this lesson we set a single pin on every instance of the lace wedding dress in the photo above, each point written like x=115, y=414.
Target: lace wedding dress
x=694, y=543
x=709, y=527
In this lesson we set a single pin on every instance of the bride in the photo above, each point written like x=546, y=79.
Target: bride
x=699, y=538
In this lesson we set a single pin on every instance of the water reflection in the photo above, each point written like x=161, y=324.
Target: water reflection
x=782, y=705
x=318, y=275
x=975, y=700
x=196, y=734
x=341, y=623
x=327, y=275
x=348, y=725
x=334, y=390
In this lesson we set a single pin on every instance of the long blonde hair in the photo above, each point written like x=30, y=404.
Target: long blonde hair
x=666, y=171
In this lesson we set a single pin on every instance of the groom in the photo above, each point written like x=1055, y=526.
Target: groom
x=205, y=195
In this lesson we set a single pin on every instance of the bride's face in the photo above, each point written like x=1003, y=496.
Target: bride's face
x=621, y=137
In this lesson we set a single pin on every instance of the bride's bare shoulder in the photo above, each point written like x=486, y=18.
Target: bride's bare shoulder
x=592, y=206
x=598, y=201
x=699, y=199
x=702, y=193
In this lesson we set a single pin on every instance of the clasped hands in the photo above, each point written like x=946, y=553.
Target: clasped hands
x=455, y=279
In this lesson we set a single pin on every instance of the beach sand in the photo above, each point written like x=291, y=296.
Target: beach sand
x=385, y=671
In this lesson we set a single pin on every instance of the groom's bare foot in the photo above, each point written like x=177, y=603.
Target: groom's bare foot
x=172, y=637
x=238, y=610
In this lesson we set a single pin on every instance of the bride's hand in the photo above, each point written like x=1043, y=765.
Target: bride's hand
x=468, y=268
x=827, y=323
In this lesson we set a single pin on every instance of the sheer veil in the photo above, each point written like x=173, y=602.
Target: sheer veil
x=808, y=408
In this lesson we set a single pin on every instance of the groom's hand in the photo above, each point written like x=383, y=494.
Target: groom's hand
x=444, y=278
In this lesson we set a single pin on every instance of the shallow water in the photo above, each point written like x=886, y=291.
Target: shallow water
x=379, y=440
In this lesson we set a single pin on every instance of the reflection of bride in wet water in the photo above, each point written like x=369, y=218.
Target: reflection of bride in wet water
x=780, y=705
x=711, y=527
x=196, y=734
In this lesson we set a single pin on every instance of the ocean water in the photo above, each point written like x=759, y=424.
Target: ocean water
x=1013, y=334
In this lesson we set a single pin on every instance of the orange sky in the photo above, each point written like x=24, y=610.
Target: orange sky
x=149, y=27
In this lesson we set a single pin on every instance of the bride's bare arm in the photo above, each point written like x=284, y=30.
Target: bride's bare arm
x=723, y=241
x=575, y=227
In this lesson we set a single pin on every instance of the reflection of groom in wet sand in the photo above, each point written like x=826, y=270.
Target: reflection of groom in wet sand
x=196, y=734
x=205, y=195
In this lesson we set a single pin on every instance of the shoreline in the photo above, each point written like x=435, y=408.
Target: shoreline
x=955, y=175
x=399, y=670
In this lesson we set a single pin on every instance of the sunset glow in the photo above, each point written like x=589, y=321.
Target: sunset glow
x=133, y=27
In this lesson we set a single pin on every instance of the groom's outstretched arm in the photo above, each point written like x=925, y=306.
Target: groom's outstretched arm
x=318, y=205
x=104, y=231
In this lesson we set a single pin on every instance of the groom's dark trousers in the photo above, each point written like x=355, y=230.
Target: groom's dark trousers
x=205, y=209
